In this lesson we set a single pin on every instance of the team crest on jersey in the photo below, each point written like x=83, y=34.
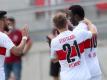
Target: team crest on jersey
x=15, y=37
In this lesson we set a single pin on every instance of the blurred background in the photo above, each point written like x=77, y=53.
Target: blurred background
x=38, y=15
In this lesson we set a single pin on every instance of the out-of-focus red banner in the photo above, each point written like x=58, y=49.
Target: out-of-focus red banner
x=39, y=3
x=102, y=6
x=72, y=0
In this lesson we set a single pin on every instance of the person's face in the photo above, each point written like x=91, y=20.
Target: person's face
x=11, y=24
x=5, y=24
x=72, y=19
x=1, y=23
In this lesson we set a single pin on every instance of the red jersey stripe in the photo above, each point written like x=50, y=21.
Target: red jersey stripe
x=62, y=54
x=2, y=51
x=87, y=43
x=90, y=42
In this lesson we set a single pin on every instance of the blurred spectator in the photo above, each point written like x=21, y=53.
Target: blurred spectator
x=54, y=67
x=14, y=63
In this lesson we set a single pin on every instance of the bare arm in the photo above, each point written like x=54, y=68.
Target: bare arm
x=27, y=46
x=18, y=50
x=90, y=26
x=54, y=60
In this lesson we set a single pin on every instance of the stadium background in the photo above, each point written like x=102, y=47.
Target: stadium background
x=38, y=14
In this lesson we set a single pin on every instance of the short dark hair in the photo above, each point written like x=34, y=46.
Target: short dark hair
x=11, y=19
x=77, y=10
x=60, y=20
x=2, y=14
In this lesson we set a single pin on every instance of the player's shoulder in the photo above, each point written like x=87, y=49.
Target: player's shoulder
x=15, y=32
x=18, y=30
x=3, y=34
x=79, y=32
x=55, y=40
x=94, y=26
x=82, y=25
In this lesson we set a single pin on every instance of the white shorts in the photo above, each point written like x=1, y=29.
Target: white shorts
x=99, y=77
x=2, y=76
x=68, y=76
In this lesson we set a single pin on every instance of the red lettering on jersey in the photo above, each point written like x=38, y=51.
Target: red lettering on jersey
x=74, y=64
x=2, y=51
x=92, y=54
x=66, y=39
x=62, y=54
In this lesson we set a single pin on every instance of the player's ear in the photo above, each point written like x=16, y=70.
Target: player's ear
x=77, y=18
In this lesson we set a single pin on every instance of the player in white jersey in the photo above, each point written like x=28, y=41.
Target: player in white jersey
x=68, y=49
x=7, y=45
x=77, y=16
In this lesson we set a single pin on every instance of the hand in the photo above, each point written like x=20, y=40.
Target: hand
x=22, y=54
x=51, y=36
x=87, y=21
x=25, y=31
x=56, y=33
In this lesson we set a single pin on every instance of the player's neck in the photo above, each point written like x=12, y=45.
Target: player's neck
x=62, y=30
x=79, y=20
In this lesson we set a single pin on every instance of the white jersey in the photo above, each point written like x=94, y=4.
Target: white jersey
x=90, y=52
x=68, y=46
x=5, y=45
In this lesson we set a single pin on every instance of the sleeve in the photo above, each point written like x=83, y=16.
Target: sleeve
x=81, y=26
x=84, y=26
x=7, y=43
x=85, y=34
x=53, y=53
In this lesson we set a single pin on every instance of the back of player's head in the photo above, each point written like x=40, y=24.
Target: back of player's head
x=77, y=10
x=65, y=11
x=60, y=20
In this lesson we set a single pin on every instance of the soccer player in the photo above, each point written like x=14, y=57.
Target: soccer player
x=55, y=67
x=6, y=45
x=68, y=49
x=77, y=17
x=13, y=63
